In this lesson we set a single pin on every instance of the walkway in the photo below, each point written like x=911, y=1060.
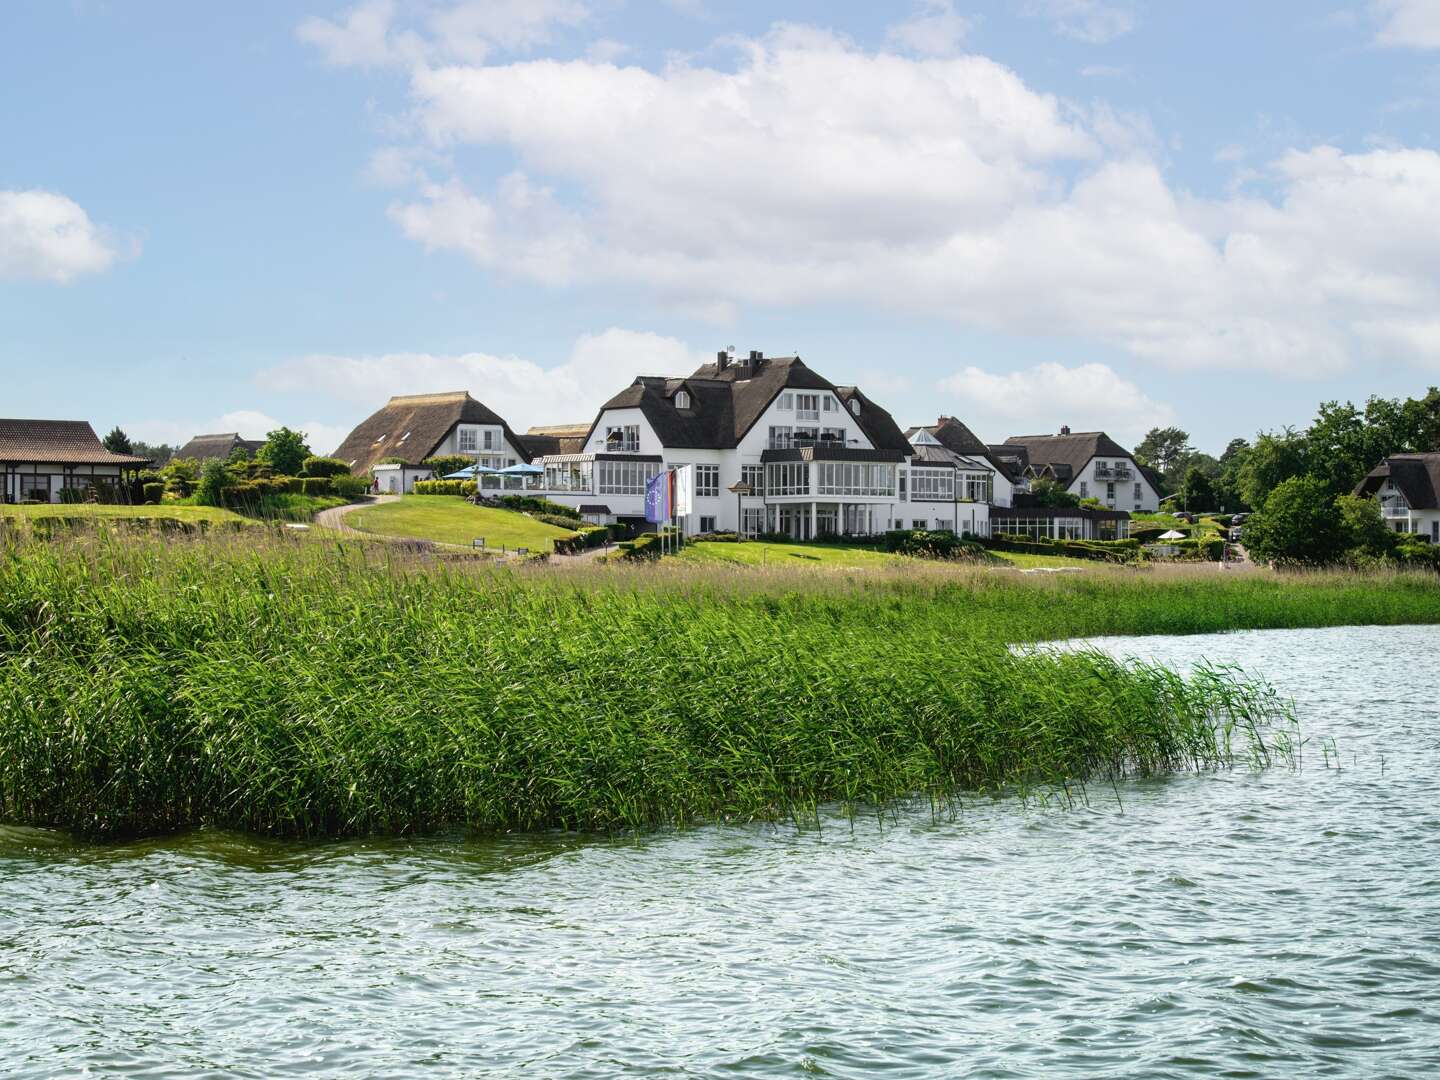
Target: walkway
x=334, y=518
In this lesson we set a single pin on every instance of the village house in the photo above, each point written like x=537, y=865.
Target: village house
x=1087, y=464
x=1407, y=487
x=204, y=448
x=51, y=461
x=776, y=448
x=393, y=443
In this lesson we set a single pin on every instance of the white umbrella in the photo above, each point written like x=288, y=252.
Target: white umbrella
x=1172, y=535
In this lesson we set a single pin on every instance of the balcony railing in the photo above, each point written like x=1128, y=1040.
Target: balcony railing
x=801, y=442
x=1113, y=472
x=622, y=446
x=1394, y=510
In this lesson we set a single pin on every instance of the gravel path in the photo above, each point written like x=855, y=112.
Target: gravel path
x=334, y=518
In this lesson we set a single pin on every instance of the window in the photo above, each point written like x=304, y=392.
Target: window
x=787, y=402
x=1084, y=489
x=1138, y=496
x=787, y=478
x=855, y=406
x=976, y=487
x=902, y=485
x=856, y=478
x=932, y=485
x=807, y=406
x=466, y=442
x=832, y=434
x=919, y=523
x=780, y=436
x=1110, y=493
x=830, y=403
x=510, y=461
x=625, y=439
x=682, y=399
x=569, y=476
x=707, y=481
x=707, y=524
x=35, y=488
x=403, y=438
x=752, y=520
x=626, y=477
x=754, y=475
x=490, y=439
x=945, y=525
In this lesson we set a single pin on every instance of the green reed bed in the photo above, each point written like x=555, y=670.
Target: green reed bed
x=324, y=690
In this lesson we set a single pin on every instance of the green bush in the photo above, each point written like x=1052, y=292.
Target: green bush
x=213, y=482
x=644, y=546
x=589, y=536
x=324, y=467
x=1118, y=551
x=316, y=485
x=926, y=544
x=558, y=521
x=349, y=487
x=444, y=464
x=536, y=505
x=71, y=495
x=1297, y=524
x=153, y=493
x=445, y=487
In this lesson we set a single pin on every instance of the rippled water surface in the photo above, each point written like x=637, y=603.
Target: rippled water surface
x=1282, y=924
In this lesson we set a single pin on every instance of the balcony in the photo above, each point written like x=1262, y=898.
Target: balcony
x=1113, y=472
x=802, y=442
x=1394, y=510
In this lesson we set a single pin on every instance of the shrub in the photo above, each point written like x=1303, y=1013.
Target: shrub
x=444, y=487
x=929, y=545
x=324, y=467
x=442, y=465
x=284, y=451
x=316, y=485
x=71, y=495
x=349, y=487
x=153, y=493
x=1297, y=524
x=644, y=546
x=556, y=520
x=589, y=536
x=537, y=505
x=213, y=482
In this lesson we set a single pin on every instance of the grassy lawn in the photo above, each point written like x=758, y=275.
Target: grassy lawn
x=128, y=513
x=447, y=519
x=759, y=553
x=1025, y=561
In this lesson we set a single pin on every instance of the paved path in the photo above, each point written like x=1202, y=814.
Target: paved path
x=334, y=518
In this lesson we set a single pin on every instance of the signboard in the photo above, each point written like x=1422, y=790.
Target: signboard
x=684, y=490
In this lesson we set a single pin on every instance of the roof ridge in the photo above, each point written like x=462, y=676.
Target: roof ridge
x=445, y=396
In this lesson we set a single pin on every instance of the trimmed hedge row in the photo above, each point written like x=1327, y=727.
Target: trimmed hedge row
x=589, y=536
x=1117, y=551
x=464, y=488
x=927, y=544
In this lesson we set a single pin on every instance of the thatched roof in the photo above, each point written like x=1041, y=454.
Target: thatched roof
x=411, y=428
x=205, y=447
x=1416, y=475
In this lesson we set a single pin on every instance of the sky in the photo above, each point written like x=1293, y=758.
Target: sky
x=1111, y=214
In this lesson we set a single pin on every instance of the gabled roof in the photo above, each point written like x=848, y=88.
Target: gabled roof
x=205, y=447
x=959, y=439
x=1416, y=475
x=411, y=428
x=726, y=400
x=1067, y=453
x=57, y=442
x=1012, y=460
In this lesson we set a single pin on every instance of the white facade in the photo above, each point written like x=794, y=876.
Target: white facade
x=851, y=489
x=1118, y=483
x=1400, y=516
x=486, y=443
x=1001, y=490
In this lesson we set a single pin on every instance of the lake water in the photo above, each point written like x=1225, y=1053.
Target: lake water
x=1232, y=924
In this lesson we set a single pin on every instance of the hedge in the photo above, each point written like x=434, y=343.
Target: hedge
x=926, y=544
x=153, y=493
x=349, y=487
x=535, y=505
x=1117, y=551
x=589, y=536
x=322, y=467
x=315, y=485
x=462, y=488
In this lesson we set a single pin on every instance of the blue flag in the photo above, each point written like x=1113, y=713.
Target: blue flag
x=657, y=498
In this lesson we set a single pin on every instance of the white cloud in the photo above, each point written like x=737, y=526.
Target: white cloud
x=376, y=33
x=249, y=423
x=1094, y=21
x=47, y=237
x=935, y=29
x=1088, y=397
x=600, y=366
x=1407, y=24
x=814, y=172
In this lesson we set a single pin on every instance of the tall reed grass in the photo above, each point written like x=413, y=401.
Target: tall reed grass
x=305, y=689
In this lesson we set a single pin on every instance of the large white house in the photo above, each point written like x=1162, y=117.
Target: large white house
x=393, y=443
x=42, y=460
x=1408, y=489
x=1088, y=464
x=814, y=458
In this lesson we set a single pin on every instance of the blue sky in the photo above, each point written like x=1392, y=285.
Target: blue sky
x=1107, y=213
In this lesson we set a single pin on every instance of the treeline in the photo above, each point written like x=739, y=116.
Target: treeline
x=1341, y=445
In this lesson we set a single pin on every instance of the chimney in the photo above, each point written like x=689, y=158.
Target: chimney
x=756, y=354
x=1065, y=429
x=722, y=360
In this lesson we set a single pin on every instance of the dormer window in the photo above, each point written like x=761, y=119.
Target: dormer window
x=682, y=399
x=855, y=406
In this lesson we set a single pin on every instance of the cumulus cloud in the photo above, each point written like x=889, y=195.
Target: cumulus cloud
x=47, y=237
x=935, y=29
x=1047, y=396
x=1407, y=24
x=522, y=391
x=812, y=171
x=1093, y=21
x=380, y=33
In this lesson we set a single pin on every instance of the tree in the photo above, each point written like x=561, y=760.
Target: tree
x=1275, y=458
x=1296, y=524
x=213, y=481
x=117, y=442
x=1420, y=421
x=445, y=464
x=158, y=454
x=1197, y=492
x=1363, y=531
x=284, y=451
x=1162, y=448
x=1047, y=492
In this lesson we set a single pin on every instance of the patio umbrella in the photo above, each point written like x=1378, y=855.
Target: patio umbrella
x=1172, y=535
x=521, y=469
x=468, y=473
